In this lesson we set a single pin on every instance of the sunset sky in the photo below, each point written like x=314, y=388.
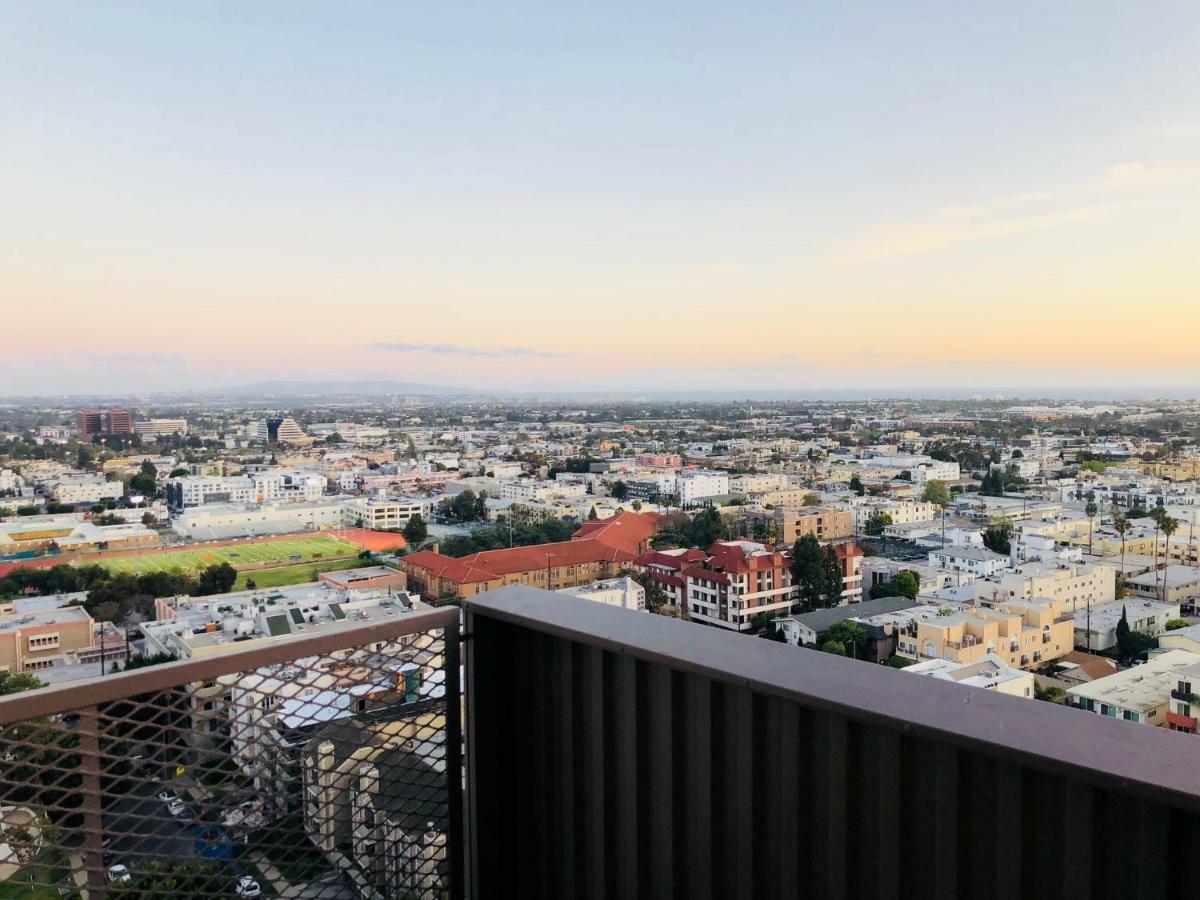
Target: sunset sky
x=610, y=195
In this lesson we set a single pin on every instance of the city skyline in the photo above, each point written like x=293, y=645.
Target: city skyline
x=537, y=199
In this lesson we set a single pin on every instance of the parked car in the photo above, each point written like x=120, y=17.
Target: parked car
x=248, y=887
x=180, y=810
x=118, y=874
x=166, y=796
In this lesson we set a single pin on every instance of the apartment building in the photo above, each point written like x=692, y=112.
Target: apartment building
x=901, y=512
x=621, y=592
x=826, y=523
x=989, y=672
x=666, y=568
x=384, y=513
x=78, y=489
x=692, y=487
x=738, y=581
x=757, y=483
x=160, y=427
x=808, y=628
x=1096, y=627
x=1075, y=585
x=1178, y=585
x=850, y=557
x=1023, y=633
x=288, y=486
x=878, y=570
x=529, y=489
x=49, y=636
x=199, y=490
x=974, y=561
x=1184, y=703
x=1141, y=694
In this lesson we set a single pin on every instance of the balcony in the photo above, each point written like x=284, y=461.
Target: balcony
x=1184, y=696
x=608, y=754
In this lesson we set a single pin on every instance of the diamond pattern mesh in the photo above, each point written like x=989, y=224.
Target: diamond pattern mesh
x=315, y=776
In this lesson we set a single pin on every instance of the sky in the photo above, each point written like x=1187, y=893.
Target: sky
x=621, y=196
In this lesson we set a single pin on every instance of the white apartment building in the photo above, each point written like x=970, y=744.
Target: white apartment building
x=288, y=487
x=623, y=592
x=529, y=489
x=757, y=483
x=160, y=427
x=384, y=513
x=692, y=487
x=1096, y=627
x=990, y=673
x=198, y=490
x=85, y=489
x=975, y=561
x=902, y=512
x=1141, y=694
x=1075, y=585
x=10, y=483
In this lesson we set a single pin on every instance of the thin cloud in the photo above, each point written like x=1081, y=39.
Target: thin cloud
x=1118, y=189
x=1182, y=130
x=461, y=350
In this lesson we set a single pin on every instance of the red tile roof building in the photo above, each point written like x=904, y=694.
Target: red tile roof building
x=627, y=531
x=549, y=566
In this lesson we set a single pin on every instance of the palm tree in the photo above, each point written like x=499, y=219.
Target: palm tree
x=1120, y=526
x=1157, y=514
x=1091, y=509
x=1168, y=524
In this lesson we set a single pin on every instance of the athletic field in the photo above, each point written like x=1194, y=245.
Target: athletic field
x=250, y=554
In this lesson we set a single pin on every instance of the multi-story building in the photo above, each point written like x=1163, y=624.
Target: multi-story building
x=384, y=513
x=220, y=521
x=115, y=421
x=757, y=483
x=623, y=592
x=276, y=430
x=700, y=484
x=1184, y=705
x=85, y=489
x=989, y=672
x=1178, y=585
x=288, y=486
x=666, y=568
x=529, y=489
x=850, y=558
x=826, y=523
x=1075, y=585
x=160, y=427
x=1024, y=633
x=199, y=490
x=1096, y=626
x=90, y=423
x=739, y=581
x=49, y=635
x=1141, y=694
x=974, y=561
x=119, y=421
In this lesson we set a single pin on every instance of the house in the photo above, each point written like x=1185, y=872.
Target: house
x=1096, y=626
x=1141, y=694
x=989, y=672
x=807, y=628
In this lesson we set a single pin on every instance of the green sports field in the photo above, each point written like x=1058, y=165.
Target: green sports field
x=262, y=553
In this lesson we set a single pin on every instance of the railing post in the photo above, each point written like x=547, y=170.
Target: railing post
x=454, y=757
x=93, y=822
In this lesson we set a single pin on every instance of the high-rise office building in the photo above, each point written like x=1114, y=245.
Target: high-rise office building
x=90, y=423
x=119, y=421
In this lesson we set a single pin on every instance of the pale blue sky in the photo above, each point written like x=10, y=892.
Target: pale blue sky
x=503, y=176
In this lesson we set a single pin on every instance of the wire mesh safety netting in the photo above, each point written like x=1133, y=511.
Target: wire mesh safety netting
x=291, y=770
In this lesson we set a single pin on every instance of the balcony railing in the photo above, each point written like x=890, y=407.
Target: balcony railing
x=245, y=764
x=617, y=754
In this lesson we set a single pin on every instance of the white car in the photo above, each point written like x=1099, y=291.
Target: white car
x=167, y=796
x=177, y=808
x=118, y=874
x=248, y=887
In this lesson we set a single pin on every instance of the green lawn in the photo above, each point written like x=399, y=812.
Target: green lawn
x=307, y=547
x=281, y=576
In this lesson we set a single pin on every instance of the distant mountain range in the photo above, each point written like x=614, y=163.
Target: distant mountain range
x=339, y=388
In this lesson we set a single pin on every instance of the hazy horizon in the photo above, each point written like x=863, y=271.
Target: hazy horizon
x=620, y=198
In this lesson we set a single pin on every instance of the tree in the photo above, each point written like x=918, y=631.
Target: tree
x=16, y=682
x=856, y=485
x=217, y=579
x=1121, y=527
x=1091, y=509
x=904, y=584
x=837, y=648
x=936, y=493
x=592, y=515
x=178, y=879
x=851, y=635
x=831, y=577
x=180, y=472
x=1169, y=525
x=637, y=505
x=876, y=522
x=998, y=538
x=1176, y=624
x=416, y=530
x=812, y=500
x=149, y=519
x=251, y=584
x=656, y=595
x=806, y=571
x=145, y=481
x=619, y=490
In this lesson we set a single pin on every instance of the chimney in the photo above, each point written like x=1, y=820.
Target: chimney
x=436, y=547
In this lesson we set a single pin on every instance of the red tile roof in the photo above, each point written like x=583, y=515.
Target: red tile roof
x=489, y=565
x=625, y=531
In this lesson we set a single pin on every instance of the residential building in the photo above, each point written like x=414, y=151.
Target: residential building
x=974, y=561
x=54, y=636
x=666, y=567
x=1141, y=694
x=1181, y=639
x=200, y=490
x=80, y=489
x=850, y=557
x=1182, y=586
x=826, y=523
x=384, y=513
x=160, y=427
x=628, y=531
x=1024, y=633
x=623, y=592
x=989, y=672
x=808, y=628
x=1096, y=627
x=693, y=486
x=1184, y=705
x=737, y=582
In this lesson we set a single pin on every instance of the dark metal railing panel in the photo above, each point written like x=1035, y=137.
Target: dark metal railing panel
x=639, y=757
x=181, y=778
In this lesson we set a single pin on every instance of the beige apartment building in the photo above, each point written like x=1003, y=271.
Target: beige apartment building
x=1024, y=634
x=828, y=524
